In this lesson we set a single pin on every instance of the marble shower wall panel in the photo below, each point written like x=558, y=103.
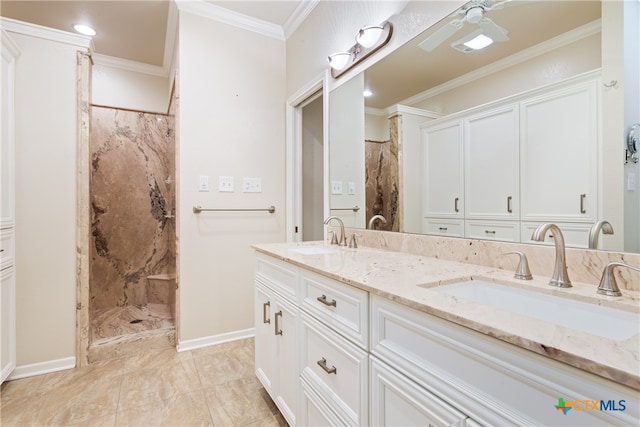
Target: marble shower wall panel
x=381, y=178
x=132, y=204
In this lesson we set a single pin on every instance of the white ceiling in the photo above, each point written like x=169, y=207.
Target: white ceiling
x=134, y=30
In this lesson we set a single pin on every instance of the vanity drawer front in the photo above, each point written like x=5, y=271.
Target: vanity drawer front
x=277, y=274
x=443, y=227
x=493, y=230
x=575, y=235
x=336, y=369
x=342, y=307
x=7, y=248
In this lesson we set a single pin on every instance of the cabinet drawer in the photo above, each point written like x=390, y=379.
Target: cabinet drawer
x=575, y=235
x=398, y=401
x=7, y=248
x=314, y=411
x=493, y=230
x=279, y=275
x=340, y=306
x=336, y=369
x=443, y=227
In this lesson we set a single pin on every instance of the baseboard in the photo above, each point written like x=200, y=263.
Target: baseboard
x=40, y=368
x=215, y=339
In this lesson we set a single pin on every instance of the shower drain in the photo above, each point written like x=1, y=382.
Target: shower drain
x=135, y=321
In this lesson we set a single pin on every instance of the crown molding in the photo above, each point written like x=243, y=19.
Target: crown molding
x=562, y=40
x=128, y=65
x=399, y=109
x=302, y=11
x=8, y=44
x=26, y=28
x=226, y=16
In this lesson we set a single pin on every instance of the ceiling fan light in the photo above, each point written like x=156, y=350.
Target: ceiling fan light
x=84, y=29
x=369, y=36
x=479, y=42
x=338, y=61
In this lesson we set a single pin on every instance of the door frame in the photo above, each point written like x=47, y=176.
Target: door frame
x=294, y=107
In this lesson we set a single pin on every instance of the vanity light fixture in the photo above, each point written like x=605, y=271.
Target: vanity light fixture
x=368, y=40
x=84, y=29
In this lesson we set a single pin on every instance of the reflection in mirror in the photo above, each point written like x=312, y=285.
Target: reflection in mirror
x=414, y=90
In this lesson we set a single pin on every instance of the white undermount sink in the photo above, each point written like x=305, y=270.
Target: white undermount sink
x=591, y=318
x=313, y=250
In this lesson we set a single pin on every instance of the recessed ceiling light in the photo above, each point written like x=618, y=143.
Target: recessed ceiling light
x=84, y=29
x=479, y=42
x=367, y=92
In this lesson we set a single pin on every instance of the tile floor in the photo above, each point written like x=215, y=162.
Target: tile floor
x=213, y=386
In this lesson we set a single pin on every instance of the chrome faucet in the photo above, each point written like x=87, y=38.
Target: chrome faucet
x=608, y=285
x=560, y=277
x=603, y=225
x=374, y=219
x=343, y=238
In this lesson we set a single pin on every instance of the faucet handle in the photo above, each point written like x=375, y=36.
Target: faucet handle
x=522, y=272
x=352, y=242
x=608, y=285
x=334, y=238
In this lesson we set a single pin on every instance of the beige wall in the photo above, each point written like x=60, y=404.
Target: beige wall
x=118, y=88
x=231, y=122
x=45, y=199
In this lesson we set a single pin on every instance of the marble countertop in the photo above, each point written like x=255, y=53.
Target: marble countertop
x=411, y=280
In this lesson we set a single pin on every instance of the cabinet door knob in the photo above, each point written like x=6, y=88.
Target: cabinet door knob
x=323, y=299
x=264, y=312
x=323, y=364
x=277, y=330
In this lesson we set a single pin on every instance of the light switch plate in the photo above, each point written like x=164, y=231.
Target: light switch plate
x=336, y=187
x=351, y=188
x=225, y=184
x=252, y=185
x=203, y=183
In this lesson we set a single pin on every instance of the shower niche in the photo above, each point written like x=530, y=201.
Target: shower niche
x=132, y=281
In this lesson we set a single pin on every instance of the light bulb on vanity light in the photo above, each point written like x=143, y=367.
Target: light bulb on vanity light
x=338, y=61
x=369, y=36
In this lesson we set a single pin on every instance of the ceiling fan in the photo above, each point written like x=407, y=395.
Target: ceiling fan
x=474, y=13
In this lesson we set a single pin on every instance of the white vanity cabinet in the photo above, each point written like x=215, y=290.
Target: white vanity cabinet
x=276, y=333
x=443, y=179
x=559, y=131
x=333, y=349
x=464, y=373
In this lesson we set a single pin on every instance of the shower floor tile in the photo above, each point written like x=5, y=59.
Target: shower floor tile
x=111, y=323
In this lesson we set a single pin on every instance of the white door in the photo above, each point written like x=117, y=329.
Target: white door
x=492, y=165
x=443, y=189
x=558, y=144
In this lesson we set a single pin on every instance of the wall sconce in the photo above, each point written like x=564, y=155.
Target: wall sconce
x=368, y=40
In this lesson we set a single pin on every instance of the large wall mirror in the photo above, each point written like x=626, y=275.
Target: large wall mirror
x=450, y=131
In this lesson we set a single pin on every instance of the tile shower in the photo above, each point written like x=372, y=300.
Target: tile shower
x=132, y=265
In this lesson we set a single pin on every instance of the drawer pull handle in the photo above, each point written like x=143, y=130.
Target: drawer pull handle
x=455, y=204
x=278, y=314
x=1, y=250
x=509, y=198
x=323, y=364
x=490, y=231
x=582, y=209
x=264, y=312
x=442, y=228
x=323, y=299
